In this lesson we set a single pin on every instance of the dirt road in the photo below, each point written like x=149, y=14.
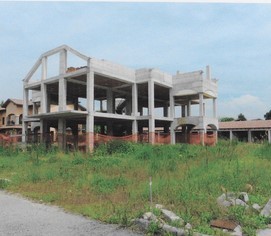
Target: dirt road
x=19, y=216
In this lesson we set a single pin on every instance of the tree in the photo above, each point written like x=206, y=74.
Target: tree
x=1, y=103
x=226, y=119
x=241, y=117
x=267, y=115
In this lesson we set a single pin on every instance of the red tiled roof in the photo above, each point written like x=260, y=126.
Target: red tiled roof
x=248, y=124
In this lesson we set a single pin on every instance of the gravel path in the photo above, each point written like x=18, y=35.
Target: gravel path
x=19, y=216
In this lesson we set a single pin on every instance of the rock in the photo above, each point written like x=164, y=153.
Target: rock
x=263, y=232
x=224, y=224
x=142, y=224
x=174, y=230
x=171, y=216
x=266, y=211
x=239, y=202
x=256, y=207
x=159, y=206
x=223, y=201
x=244, y=197
x=237, y=231
x=149, y=216
x=188, y=226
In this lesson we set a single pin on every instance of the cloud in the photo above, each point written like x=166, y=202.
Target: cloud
x=251, y=106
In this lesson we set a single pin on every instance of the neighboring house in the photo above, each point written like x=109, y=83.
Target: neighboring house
x=121, y=103
x=247, y=131
x=11, y=116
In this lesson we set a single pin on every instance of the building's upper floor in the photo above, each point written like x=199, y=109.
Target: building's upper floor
x=64, y=72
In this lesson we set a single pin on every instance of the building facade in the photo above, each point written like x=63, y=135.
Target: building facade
x=257, y=131
x=11, y=116
x=119, y=102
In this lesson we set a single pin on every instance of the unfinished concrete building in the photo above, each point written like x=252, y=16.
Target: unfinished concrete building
x=144, y=105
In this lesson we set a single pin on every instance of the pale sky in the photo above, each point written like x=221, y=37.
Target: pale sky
x=234, y=39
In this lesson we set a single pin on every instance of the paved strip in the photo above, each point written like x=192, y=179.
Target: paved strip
x=19, y=216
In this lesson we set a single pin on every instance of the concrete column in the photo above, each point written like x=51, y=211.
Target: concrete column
x=151, y=111
x=44, y=68
x=171, y=103
x=62, y=94
x=202, y=134
x=110, y=101
x=25, y=113
x=172, y=115
x=216, y=136
x=231, y=135
x=201, y=104
x=34, y=108
x=62, y=62
x=24, y=132
x=90, y=109
x=183, y=110
x=43, y=102
x=249, y=138
x=134, y=100
x=134, y=111
x=135, y=130
x=189, y=108
x=61, y=132
x=172, y=133
x=214, y=108
x=269, y=136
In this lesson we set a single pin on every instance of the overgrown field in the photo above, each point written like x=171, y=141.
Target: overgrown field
x=112, y=184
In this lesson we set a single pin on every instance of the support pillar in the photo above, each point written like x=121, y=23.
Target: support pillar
x=172, y=115
x=201, y=104
x=269, y=136
x=134, y=112
x=110, y=101
x=44, y=68
x=43, y=101
x=189, y=108
x=63, y=62
x=90, y=110
x=249, y=138
x=61, y=134
x=62, y=94
x=214, y=108
x=202, y=134
x=151, y=112
x=25, y=114
x=231, y=135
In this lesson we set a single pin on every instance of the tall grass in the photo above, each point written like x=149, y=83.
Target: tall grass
x=112, y=184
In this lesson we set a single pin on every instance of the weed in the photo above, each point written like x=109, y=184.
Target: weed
x=102, y=184
x=113, y=184
x=154, y=229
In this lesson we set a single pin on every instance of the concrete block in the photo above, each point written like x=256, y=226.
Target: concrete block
x=266, y=211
